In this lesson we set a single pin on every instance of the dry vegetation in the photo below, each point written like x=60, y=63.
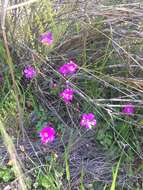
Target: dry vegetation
x=105, y=38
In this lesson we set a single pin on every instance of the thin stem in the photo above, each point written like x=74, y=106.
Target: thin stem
x=10, y=64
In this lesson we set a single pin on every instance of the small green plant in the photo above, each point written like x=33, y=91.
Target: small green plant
x=6, y=174
x=51, y=178
x=105, y=137
x=48, y=182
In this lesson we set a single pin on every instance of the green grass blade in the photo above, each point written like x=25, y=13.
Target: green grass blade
x=115, y=174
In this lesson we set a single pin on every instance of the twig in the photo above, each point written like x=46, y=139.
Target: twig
x=21, y=4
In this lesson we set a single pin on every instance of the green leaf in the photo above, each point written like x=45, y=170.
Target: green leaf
x=45, y=182
x=113, y=186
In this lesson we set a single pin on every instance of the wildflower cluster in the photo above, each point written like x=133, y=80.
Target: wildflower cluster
x=88, y=120
x=47, y=134
x=67, y=95
x=29, y=72
x=128, y=109
x=46, y=38
x=68, y=68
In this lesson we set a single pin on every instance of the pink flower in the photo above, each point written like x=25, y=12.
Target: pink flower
x=46, y=38
x=88, y=120
x=47, y=134
x=29, y=72
x=67, y=95
x=128, y=109
x=68, y=68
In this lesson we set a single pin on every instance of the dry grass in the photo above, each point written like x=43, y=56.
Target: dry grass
x=114, y=63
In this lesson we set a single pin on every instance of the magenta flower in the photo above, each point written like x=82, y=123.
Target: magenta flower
x=47, y=134
x=68, y=68
x=29, y=72
x=88, y=120
x=46, y=38
x=67, y=95
x=128, y=109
